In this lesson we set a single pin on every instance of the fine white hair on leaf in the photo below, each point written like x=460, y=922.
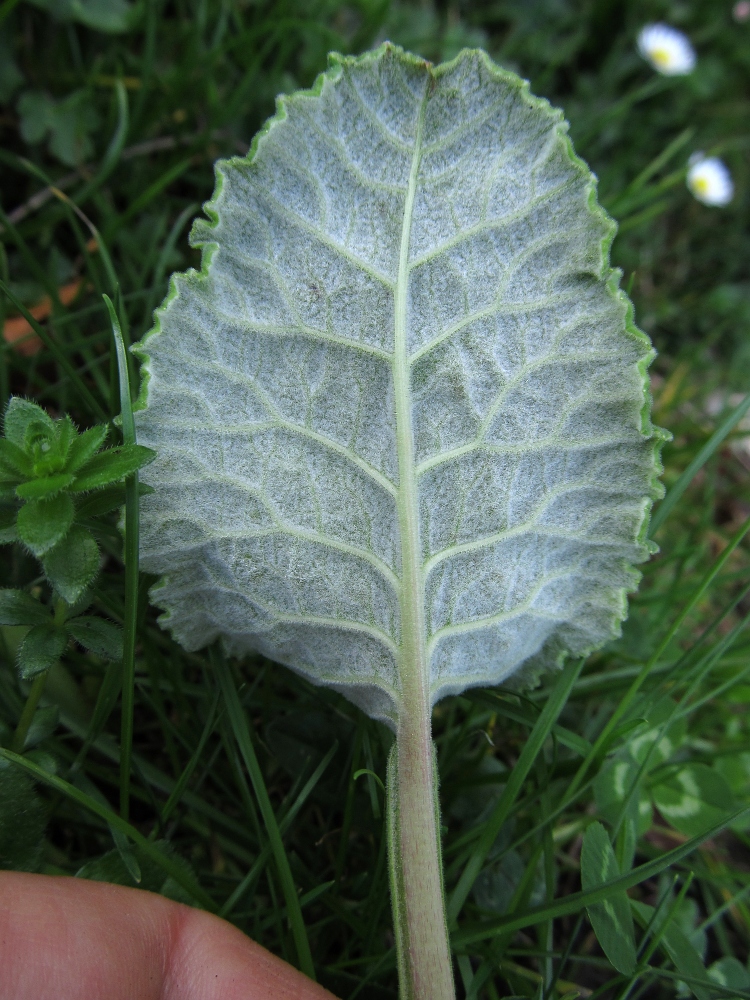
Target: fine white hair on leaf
x=405, y=348
x=666, y=49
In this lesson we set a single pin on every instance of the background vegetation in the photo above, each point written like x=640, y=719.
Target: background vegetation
x=112, y=115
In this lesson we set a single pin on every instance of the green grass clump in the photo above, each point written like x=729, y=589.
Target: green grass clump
x=243, y=778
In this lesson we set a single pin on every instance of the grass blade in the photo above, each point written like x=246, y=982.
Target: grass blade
x=534, y=744
x=241, y=732
x=131, y=570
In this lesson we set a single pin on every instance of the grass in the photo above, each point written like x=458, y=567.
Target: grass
x=257, y=795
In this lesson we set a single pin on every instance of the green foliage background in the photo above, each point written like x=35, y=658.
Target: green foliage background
x=123, y=108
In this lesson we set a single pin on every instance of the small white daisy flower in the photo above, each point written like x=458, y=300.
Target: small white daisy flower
x=668, y=50
x=709, y=180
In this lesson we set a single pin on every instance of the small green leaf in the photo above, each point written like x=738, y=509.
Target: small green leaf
x=612, y=785
x=676, y=944
x=611, y=920
x=73, y=564
x=19, y=414
x=43, y=725
x=14, y=461
x=108, y=499
x=42, y=646
x=85, y=446
x=112, y=465
x=112, y=16
x=43, y=523
x=49, y=486
x=642, y=741
x=694, y=799
x=98, y=635
x=730, y=972
x=8, y=530
x=68, y=123
x=23, y=818
x=112, y=868
x=19, y=608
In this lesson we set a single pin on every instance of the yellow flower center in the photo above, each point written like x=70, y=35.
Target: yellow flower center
x=662, y=57
x=701, y=185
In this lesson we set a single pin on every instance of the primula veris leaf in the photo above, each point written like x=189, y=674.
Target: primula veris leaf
x=42, y=523
x=42, y=646
x=109, y=466
x=693, y=799
x=85, y=446
x=19, y=608
x=73, y=564
x=100, y=636
x=23, y=818
x=612, y=920
x=49, y=486
x=19, y=414
x=112, y=868
x=400, y=414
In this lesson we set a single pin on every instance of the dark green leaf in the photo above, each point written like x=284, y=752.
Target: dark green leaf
x=42, y=646
x=49, y=486
x=19, y=608
x=43, y=523
x=611, y=919
x=85, y=446
x=693, y=799
x=19, y=415
x=43, y=725
x=98, y=635
x=8, y=515
x=109, y=466
x=111, y=868
x=22, y=821
x=731, y=973
x=108, y=499
x=676, y=944
x=73, y=564
x=14, y=462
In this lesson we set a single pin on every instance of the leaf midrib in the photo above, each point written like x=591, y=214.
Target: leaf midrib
x=412, y=665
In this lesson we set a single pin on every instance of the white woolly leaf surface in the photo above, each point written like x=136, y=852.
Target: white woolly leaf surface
x=403, y=399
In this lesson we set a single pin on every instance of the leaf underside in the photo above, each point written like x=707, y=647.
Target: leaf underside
x=403, y=405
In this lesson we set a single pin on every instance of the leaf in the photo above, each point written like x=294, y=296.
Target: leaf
x=693, y=799
x=73, y=564
x=110, y=867
x=43, y=523
x=14, y=461
x=23, y=818
x=42, y=646
x=100, y=636
x=112, y=16
x=85, y=446
x=109, y=466
x=612, y=920
x=677, y=945
x=68, y=123
x=19, y=414
x=49, y=486
x=730, y=972
x=19, y=608
x=107, y=499
x=400, y=415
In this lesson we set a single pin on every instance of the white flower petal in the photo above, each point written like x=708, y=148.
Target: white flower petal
x=710, y=181
x=668, y=50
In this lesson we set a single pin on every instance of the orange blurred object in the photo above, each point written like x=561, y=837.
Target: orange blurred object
x=18, y=332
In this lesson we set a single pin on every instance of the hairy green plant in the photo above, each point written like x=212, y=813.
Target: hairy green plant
x=401, y=418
